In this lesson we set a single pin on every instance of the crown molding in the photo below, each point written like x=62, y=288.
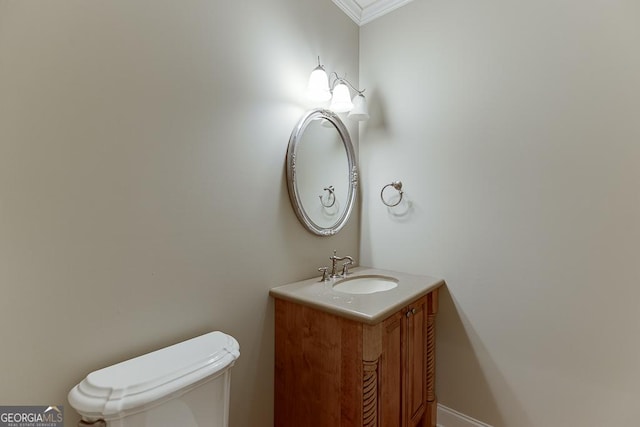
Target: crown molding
x=364, y=14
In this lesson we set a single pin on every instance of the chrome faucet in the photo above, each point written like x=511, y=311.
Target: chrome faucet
x=334, y=259
x=345, y=267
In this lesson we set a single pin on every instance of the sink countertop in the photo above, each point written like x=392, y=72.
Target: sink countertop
x=367, y=308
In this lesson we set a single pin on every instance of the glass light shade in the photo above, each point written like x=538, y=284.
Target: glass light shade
x=359, y=111
x=318, y=87
x=341, y=101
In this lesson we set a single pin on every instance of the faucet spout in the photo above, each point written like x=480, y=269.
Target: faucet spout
x=334, y=259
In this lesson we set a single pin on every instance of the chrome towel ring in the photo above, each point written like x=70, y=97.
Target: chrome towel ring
x=398, y=186
x=331, y=197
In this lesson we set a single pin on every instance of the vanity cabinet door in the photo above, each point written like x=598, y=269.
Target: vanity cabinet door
x=403, y=367
x=391, y=372
x=416, y=362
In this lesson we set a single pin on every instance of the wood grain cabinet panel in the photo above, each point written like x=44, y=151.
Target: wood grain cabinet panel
x=391, y=383
x=335, y=372
x=415, y=361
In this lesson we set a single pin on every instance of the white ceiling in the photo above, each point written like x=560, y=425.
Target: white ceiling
x=363, y=11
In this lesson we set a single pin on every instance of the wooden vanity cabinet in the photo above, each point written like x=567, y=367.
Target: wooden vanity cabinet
x=331, y=371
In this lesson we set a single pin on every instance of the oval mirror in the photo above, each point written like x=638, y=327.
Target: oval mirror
x=322, y=175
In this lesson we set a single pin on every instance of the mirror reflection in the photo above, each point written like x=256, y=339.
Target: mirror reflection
x=321, y=172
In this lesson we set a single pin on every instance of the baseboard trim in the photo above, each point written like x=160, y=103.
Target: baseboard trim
x=448, y=417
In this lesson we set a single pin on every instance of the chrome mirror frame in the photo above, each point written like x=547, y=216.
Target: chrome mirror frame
x=294, y=194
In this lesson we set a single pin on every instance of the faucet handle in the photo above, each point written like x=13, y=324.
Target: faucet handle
x=324, y=273
x=345, y=267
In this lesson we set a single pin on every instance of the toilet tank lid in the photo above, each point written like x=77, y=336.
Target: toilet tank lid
x=137, y=382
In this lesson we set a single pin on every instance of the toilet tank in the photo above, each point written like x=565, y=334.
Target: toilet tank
x=186, y=385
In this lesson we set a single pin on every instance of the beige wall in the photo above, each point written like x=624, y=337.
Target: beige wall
x=514, y=127
x=142, y=190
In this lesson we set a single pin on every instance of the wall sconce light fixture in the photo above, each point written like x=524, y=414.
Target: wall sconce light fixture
x=323, y=87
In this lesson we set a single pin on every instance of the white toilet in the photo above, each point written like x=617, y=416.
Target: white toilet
x=184, y=385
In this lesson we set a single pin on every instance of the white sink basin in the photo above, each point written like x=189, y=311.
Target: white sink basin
x=367, y=284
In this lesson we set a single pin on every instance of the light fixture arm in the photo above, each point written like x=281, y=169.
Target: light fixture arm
x=320, y=66
x=337, y=79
